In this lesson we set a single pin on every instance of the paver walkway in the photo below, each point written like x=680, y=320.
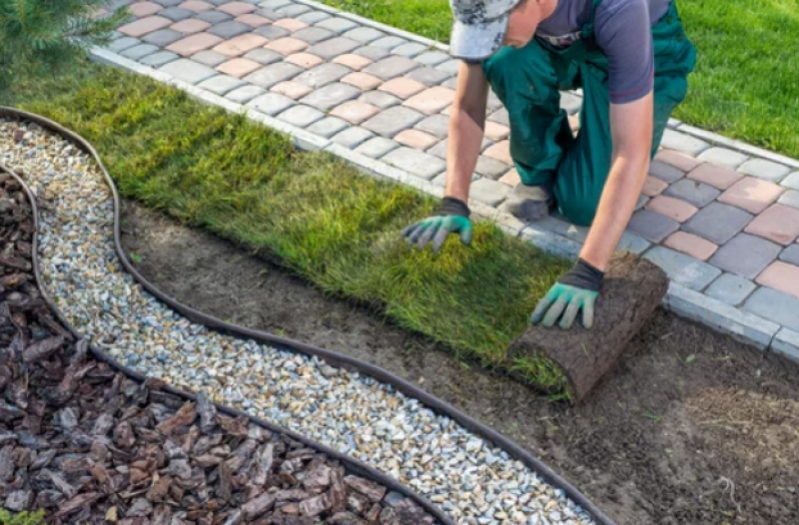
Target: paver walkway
x=722, y=221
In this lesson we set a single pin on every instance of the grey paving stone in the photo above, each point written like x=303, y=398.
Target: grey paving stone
x=331, y=96
x=380, y=99
x=786, y=343
x=450, y=66
x=570, y=102
x=440, y=149
x=159, y=59
x=176, y=14
x=490, y=168
x=724, y=157
x=213, y=17
x=500, y=116
x=313, y=17
x=270, y=75
x=328, y=126
x=641, y=202
x=428, y=76
x=264, y=56
x=683, y=269
x=409, y=50
x=376, y=147
x=389, y=42
x=391, y=67
x=245, y=94
x=452, y=83
x=489, y=191
x=441, y=179
x=697, y=193
x=293, y=10
x=791, y=181
x=682, y=142
x=775, y=306
x=652, y=226
x=364, y=35
x=188, y=70
x=330, y=49
x=275, y=4
x=745, y=255
x=730, y=289
x=791, y=254
x=271, y=14
x=301, y=116
x=313, y=35
x=221, y=84
x=337, y=24
x=270, y=103
x=432, y=58
x=765, y=169
x=120, y=44
x=352, y=137
x=217, y=3
x=209, y=58
x=665, y=172
x=229, y=29
x=372, y=53
x=790, y=198
x=140, y=51
x=168, y=3
x=323, y=74
x=415, y=162
x=163, y=37
x=493, y=102
x=718, y=222
x=271, y=32
x=436, y=125
x=393, y=120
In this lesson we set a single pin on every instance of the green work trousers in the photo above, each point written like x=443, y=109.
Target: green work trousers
x=543, y=148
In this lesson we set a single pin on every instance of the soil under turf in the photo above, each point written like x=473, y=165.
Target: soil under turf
x=691, y=428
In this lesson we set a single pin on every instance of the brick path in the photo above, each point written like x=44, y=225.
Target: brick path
x=720, y=221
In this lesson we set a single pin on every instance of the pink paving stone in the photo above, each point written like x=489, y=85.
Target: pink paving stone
x=779, y=223
x=238, y=67
x=253, y=20
x=496, y=131
x=241, y=44
x=691, y=244
x=193, y=44
x=355, y=111
x=290, y=24
x=653, y=186
x=677, y=159
x=500, y=151
x=305, y=60
x=363, y=81
x=190, y=26
x=287, y=45
x=413, y=138
x=511, y=178
x=198, y=6
x=751, y=194
x=237, y=8
x=402, y=87
x=716, y=176
x=291, y=89
x=352, y=61
x=676, y=209
x=144, y=26
x=142, y=9
x=781, y=276
x=432, y=100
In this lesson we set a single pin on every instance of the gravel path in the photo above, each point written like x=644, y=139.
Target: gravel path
x=473, y=481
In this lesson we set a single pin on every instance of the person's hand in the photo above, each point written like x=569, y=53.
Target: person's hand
x=451, y=217
x=575, y=291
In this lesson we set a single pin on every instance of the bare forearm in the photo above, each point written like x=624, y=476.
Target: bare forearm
x=465, y=138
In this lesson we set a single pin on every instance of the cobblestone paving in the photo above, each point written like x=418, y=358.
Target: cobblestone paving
x=722, y=222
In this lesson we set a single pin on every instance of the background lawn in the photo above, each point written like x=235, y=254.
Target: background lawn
x=745, y=83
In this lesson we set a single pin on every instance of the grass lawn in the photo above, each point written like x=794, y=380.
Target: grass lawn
x=744, y=85
x=310, y=212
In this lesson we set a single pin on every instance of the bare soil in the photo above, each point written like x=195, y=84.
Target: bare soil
x=690, y=428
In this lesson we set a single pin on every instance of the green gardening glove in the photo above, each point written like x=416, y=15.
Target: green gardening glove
x=575, y=291
x=451, y=217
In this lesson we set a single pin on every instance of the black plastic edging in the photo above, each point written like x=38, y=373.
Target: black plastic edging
x=333, y=358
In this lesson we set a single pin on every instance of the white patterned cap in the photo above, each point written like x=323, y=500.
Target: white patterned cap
x=479, y=27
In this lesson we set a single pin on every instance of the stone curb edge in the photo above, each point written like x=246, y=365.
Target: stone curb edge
x=742, y=326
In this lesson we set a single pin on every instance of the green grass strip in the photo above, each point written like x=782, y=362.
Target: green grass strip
x=311, y=212
x=744, y=85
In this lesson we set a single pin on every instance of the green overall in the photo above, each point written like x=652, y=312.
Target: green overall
x=542, y=145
